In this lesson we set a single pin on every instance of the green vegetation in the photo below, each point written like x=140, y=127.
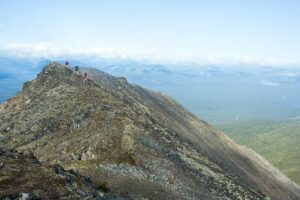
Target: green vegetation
x=278, y=142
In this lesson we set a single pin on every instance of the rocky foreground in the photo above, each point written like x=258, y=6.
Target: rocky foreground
x=63, y=137
x=24, y=177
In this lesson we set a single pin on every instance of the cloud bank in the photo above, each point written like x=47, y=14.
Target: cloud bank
x=50, y=51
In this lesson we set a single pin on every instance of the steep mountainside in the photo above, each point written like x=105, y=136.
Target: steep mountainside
x=278, y=142
x=136, y=142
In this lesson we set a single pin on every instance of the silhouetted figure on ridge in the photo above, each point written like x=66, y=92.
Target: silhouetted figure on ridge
x=77, y=70
x=85, y=77
x=67, y=63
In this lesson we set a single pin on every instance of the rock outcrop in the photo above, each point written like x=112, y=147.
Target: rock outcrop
x=132, y=142
x=23, y=177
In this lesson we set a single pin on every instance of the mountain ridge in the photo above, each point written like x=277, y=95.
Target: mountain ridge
x=140, y=141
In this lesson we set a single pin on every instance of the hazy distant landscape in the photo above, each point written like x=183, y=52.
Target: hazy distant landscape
x=256, y=106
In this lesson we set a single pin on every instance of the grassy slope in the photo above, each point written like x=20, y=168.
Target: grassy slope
x=278, y=142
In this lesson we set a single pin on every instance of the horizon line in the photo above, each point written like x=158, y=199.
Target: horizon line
x=46, y=50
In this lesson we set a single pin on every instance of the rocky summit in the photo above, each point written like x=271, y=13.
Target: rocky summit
x=64, y=137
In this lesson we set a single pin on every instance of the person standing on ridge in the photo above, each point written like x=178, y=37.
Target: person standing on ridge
x=85, y=77
x=67, y=63
x=77, y=70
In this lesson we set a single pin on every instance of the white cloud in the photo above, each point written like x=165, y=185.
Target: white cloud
x=290, y=74
x=51, y=51
x=42, y=49
x=48, y=50
x=269, y=83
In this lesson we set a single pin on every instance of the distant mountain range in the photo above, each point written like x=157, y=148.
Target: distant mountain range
x=216, y=93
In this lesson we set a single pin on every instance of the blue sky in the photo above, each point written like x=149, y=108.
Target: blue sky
x=254, y=31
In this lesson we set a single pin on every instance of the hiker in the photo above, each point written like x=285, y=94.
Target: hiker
x=77, y=70
x=85, y=77
x=67, y=63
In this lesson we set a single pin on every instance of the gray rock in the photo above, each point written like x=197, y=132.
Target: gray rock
x=20, y=196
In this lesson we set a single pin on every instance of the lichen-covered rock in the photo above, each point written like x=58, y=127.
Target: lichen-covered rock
x=133, y=142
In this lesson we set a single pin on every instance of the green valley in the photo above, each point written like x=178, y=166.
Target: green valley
x=278, y=142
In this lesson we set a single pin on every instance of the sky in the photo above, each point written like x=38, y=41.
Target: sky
x=254, y=31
